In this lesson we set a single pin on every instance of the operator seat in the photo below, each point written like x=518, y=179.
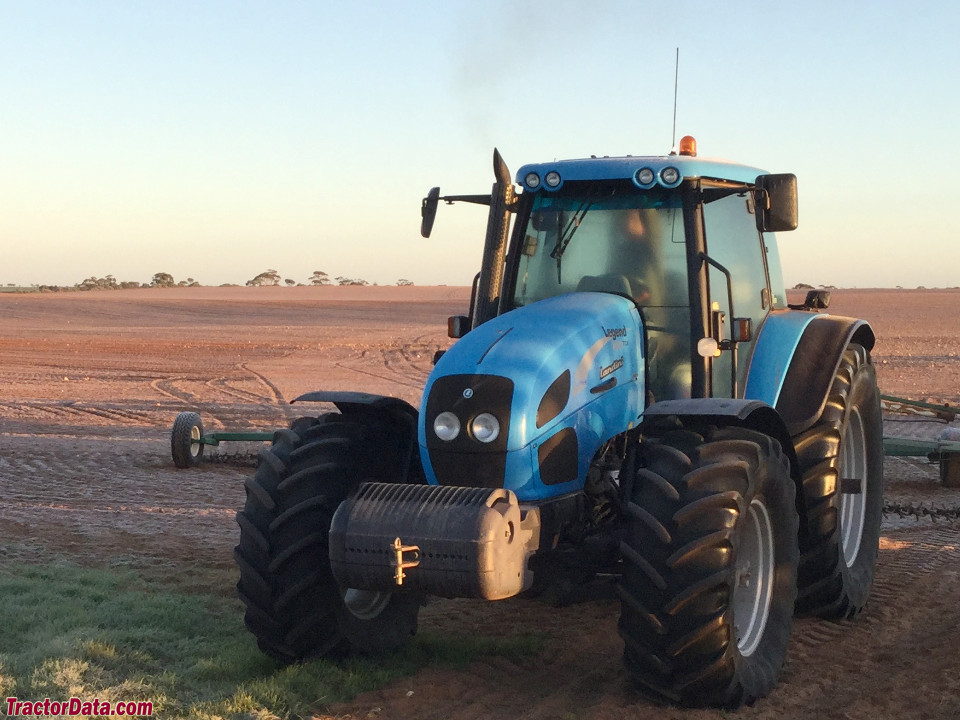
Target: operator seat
x=616, y=284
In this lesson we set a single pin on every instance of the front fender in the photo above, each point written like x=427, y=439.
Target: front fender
x=749, y=414
x=361, y=406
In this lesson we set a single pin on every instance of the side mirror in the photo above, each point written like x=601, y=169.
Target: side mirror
x=428, y=211
x=458, y=326
x=776, y=202
x=546, y=220
x=815, y=300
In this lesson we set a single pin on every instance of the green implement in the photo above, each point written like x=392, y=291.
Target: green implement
x=187, y=439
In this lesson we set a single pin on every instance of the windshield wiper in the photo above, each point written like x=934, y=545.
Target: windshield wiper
x=567, y=235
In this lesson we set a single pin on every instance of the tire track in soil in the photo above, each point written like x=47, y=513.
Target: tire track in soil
x=277, y=395
x=408, y=365
x=78, y=409
x=899, y=565
x=396, y=379
x=222, y=385
x=217, y=413
x=119, y=417
x=44, y=409
x=897, y=658
x=168, y=388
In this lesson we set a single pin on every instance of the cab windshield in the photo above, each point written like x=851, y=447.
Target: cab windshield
x=610, y=239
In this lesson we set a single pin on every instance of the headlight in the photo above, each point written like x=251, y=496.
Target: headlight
x=446, y=426
x=552, y=179
x=485, y=427
x=532, y=180
x=670, y=176
x=645, y=176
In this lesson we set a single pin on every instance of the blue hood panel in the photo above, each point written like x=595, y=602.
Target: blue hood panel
x=585, y=348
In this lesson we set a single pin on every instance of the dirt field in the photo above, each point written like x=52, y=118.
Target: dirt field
x=92, y=382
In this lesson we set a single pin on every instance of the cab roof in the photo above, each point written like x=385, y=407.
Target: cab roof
x=534, y=177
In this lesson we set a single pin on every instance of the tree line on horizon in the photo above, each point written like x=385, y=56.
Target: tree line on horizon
x=266, y=278
x=164, y=280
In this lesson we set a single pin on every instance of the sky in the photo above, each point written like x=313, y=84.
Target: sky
x=214, y=140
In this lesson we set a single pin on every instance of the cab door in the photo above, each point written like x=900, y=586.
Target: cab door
x=733, y=242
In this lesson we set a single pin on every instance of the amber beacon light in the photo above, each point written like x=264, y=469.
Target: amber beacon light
x=688, y=145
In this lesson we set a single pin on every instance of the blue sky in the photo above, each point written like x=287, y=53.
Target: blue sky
x=215, y=140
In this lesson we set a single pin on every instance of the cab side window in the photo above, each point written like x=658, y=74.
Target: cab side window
x=733, y=241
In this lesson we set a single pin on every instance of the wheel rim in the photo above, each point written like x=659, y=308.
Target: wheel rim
x=195, y=444
x=753, y=584
x=853, y=485
x=365, y=604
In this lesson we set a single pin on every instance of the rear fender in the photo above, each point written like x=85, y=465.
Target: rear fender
x=361, y=406
x=796, y=357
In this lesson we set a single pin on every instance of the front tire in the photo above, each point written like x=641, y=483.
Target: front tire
x=294, y=606
x=841, y=461
x=709, y=567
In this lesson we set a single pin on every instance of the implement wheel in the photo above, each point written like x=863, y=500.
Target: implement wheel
x=841, y=458
x=294, y=605
x=709, y=567
x=185, y=445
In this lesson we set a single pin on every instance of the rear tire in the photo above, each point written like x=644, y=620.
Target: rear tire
x=841, y=461
x=185, y=445
x=709, y=567
x=294, y=606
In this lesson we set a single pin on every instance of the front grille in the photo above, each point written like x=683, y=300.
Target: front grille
x=484, y=470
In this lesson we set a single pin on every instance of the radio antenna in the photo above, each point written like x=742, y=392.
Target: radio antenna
x=676, y=74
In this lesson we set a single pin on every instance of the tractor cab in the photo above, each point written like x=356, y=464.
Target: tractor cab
x=670, y=233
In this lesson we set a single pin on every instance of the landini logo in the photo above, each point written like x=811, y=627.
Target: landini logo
x=612, y=367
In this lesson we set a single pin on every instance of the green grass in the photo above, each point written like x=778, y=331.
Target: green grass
x=69, y=632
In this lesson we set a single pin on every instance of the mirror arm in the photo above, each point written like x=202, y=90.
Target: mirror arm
x=475, y=199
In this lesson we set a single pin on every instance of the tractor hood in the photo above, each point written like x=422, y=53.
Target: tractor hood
x=572, y=361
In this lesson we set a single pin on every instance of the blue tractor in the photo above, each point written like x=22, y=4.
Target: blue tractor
x=631, y=404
